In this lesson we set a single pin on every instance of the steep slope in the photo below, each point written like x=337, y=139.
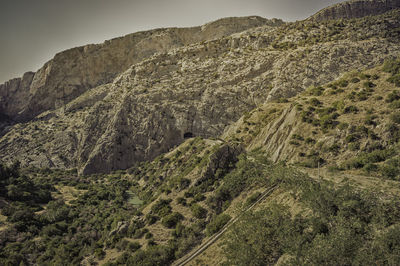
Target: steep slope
x=70, y=73
x=351, y=123
x=197, y=90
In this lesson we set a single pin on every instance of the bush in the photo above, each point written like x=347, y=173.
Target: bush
x=395, y=104
x=395, y=79
x=372, y=157
x=355, y=146
x=393, y=96
x=391, y=66
x=181, y=201
x=315, y=91
x=328, y=121
x=161, y=207
x=297, y=137
x=352, y=138
x=172, y=219
x=343, y=126
x=133, y=246
x=217, y=224
x=315, y=102
x=198, y=211
x=369, y=84
x=253, y=198
x=350, y=109
x=395, y=117
x=343, y=83
x=309, y=140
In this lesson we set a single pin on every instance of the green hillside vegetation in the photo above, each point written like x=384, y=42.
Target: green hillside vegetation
x=350, y=124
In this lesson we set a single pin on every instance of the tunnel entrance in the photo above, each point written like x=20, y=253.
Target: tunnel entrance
x=188, y=135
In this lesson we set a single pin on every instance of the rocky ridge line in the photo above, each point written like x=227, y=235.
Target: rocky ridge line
x=72, y=72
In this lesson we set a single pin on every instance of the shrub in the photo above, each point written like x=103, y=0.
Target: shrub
x=393, y=96
x=395, y=104
x=343, y=126
x=391, y=66
x=181, y=201
x=395, y=79
x=133, y=246
x=389, y=171
x=253, y=198
x=151, y=219
x=334, y=148
x=200, y=197
x=172, y=219
x=315, y=102
x=161, y=207
x=328, y=121
x=352, y=138
x=298, y=137
x=293, y=142
x=355, y=146
x=198, y=211
x=309, y=140
x=350, y=109
x=217, y=224
x=395, y=117
x=372, y=157
x=343, y=83
x=370, y=167
x=315, y=91
x=369, y=84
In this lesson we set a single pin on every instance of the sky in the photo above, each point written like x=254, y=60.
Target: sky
x=33, y=31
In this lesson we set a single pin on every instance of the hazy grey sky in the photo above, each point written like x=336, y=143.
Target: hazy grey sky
x=33, y=31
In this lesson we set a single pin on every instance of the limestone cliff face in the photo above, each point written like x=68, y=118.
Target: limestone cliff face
x=14, y=92
x=72, y=72
x=196, y=90
x=356, y=9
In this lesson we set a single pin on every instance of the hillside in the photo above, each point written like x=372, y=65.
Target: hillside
x=267, y=143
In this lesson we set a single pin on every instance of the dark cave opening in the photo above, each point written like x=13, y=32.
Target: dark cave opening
x=188, y=135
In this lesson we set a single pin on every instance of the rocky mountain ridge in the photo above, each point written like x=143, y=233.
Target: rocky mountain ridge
x=197, y=90
x=356, y=9
x=72, y=72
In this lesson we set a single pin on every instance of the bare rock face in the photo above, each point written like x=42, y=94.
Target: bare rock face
x=14, y=92
x=72, y=72
x=356, y=9
x=196, y=90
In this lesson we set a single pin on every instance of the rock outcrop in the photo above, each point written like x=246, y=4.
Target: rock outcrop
x=356, y=9
x=72, y=72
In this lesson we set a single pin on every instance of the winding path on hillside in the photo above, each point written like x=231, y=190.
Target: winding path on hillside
x=197, y=251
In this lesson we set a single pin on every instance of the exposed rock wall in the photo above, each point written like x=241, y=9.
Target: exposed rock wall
x=356, y=9
x=74, y=71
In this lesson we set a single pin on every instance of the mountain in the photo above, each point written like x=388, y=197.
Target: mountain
x=71, y=73
x=280, y=139
x=356, y=9
x=194, y=90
